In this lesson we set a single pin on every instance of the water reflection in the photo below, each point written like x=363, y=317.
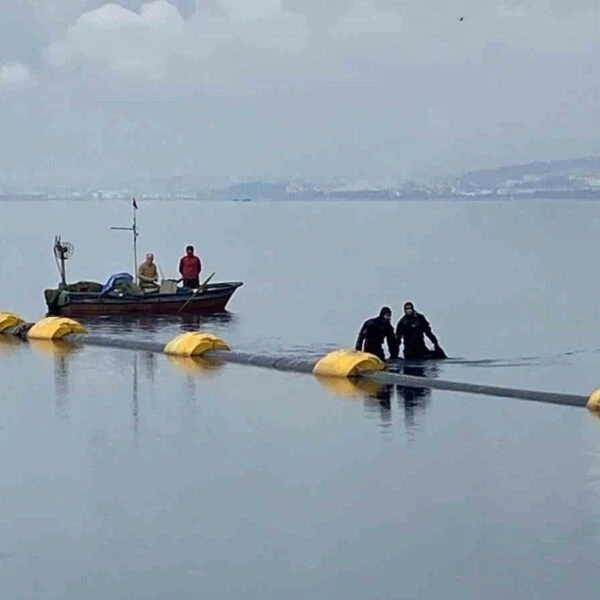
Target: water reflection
x=7, y=342
x=148, y=326
x=379, y=398
x=149, y=364
x=138, y=367
x=115, y=324
x=135, y=401
x=60, y=351
x=193, y=367
x=378, y=404
x=415, y=399
x=195, y=322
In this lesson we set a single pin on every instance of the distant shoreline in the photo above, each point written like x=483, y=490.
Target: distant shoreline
x=591, y=195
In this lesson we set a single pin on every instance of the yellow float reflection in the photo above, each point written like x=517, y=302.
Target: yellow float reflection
x=195, y=365
x=53, y=347
x=8, y=341
x=349, y=388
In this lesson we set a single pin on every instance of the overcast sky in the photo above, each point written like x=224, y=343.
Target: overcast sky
x=301, y=88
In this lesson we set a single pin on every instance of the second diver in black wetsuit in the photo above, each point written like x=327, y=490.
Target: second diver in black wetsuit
x=412, y=329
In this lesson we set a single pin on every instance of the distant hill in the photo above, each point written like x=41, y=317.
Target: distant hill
x=577, y=178
x=255, y=190
x=552, y=173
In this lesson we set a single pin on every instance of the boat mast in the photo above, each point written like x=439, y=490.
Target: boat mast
x=62, y=251
x=135, y=233
x=59, y=252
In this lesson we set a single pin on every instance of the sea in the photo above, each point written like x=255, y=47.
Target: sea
x=129, y=475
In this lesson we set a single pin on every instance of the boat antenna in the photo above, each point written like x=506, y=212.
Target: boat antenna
x=134, y=231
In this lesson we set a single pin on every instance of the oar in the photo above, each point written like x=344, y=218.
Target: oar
x=203, y=285
x=199, y=290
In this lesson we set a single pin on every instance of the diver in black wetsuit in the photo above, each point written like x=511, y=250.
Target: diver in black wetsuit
x=412, y=328
x=374, y=331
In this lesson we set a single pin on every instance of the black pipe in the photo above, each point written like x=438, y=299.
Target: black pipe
x=386, y=377
x=300, y=365
x=259, y=360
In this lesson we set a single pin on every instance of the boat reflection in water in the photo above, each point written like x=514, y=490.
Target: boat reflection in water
x=141, y=366
x=60, y=351
x=144, y=327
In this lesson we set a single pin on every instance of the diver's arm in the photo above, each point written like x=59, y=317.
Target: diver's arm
x=427, y=331
x=392, y=342
x=399, y=333
x=361, y=338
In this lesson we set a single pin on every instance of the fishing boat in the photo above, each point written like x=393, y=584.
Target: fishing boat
x=120, y=294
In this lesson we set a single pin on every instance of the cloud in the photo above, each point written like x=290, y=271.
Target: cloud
x=251, y=11
x=287, y=42
x=302, y=87
x=118, y=39
x=15, y=76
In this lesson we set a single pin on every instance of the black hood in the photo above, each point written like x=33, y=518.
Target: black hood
x=386, y=310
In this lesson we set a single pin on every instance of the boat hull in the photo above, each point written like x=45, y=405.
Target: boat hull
x=213, y=299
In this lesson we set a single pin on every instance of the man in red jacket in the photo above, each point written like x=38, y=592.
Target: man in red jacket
x=189, y=268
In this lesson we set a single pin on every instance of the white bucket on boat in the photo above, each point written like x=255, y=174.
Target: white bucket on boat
x=168, y=286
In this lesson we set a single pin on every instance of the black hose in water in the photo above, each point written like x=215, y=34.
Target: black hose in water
x=300, y=365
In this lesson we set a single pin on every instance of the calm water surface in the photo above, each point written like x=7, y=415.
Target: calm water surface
x=510, y=286
x=128, y=475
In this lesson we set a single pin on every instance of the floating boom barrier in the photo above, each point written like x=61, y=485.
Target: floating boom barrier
x=333, y=368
